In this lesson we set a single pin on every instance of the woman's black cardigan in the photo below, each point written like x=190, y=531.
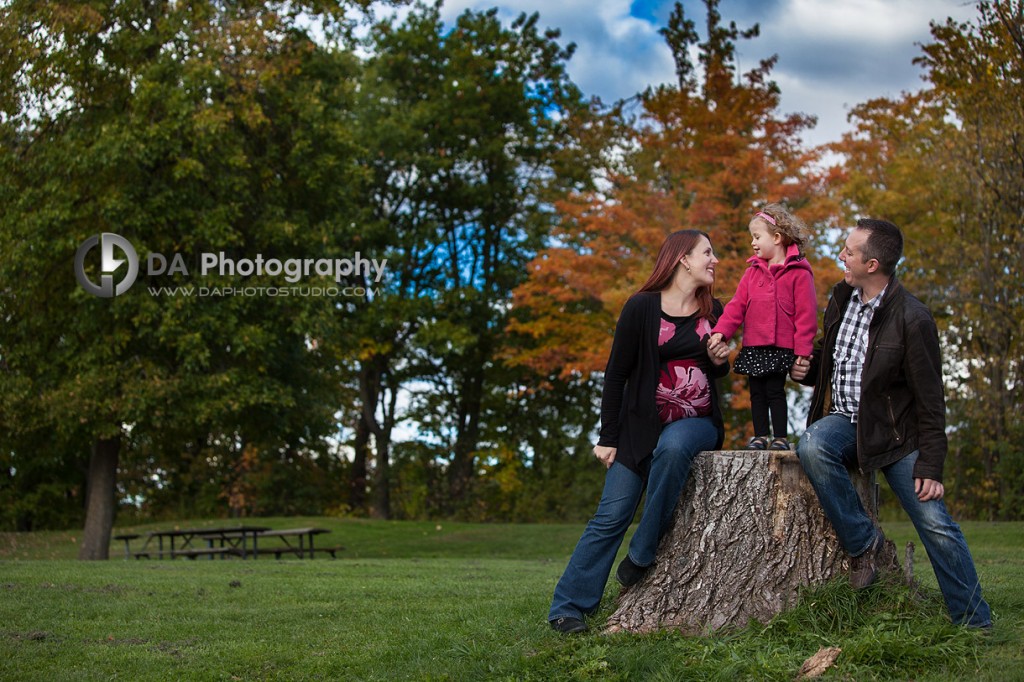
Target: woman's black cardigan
x=629, y=415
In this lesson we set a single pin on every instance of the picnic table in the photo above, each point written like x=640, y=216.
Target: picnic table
x=241, y=541
x=289, y=537
x=231, y=540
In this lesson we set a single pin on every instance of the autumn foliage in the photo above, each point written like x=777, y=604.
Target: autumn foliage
x=703, y=153
x=516, y=215
x=947, y=164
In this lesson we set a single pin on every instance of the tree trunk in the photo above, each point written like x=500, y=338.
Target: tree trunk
x=748, y=533
x=470, y=406
x=381, y=502
x=99, y=499
x=372, y=385
x=358, y=471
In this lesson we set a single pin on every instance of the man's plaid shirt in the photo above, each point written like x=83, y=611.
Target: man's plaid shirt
x=848, y=356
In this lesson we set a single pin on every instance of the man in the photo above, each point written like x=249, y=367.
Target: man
x=878, y=403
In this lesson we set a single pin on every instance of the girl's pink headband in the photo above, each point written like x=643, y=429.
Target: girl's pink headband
x=767, y=217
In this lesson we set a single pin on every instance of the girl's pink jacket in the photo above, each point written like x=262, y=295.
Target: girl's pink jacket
x=776, y=309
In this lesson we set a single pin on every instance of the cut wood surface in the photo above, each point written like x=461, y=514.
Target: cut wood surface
x=747, y=535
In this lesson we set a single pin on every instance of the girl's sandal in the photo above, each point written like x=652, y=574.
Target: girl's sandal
x=758, y=443
x=779, y=444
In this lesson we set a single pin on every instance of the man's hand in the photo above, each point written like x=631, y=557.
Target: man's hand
x=801, y=366
x=928, y=489
x=605, y=454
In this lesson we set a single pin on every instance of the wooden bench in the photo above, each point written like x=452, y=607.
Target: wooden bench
x=297, y=541
x=192, y=553
x=297, y=551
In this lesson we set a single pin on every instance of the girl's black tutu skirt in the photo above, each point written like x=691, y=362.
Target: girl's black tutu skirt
x=760, y=361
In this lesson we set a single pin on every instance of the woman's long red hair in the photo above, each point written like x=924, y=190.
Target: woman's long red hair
x=677, y=245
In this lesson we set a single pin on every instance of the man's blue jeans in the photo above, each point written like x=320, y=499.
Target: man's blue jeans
x=827, y=450
x=581, y=586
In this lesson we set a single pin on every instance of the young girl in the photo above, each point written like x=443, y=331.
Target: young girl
x=776, y=304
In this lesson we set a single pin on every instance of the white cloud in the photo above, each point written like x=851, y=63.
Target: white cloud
x=617, y=55
x=833, y=54
x=868, y=22
x=836, y=55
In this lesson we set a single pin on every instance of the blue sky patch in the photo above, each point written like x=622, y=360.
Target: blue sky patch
x=646, y=10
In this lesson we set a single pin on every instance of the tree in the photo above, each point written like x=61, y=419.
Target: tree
x=747, y=536
x=703, y=153
x=186, y=127
x=468, y=137
x=975, y=71
x=947, y=165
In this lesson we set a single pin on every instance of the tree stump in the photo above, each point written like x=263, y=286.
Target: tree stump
x=747, y=534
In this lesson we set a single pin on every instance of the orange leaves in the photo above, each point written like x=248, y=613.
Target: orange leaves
x=565, y=312
x=702, y=155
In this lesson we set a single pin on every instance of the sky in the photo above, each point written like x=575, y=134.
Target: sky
x=833, y=54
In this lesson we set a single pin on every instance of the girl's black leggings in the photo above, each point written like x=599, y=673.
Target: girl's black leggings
x=768, y=396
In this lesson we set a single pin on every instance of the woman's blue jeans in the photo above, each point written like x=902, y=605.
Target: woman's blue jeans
x=827, y=450
x=581, y=586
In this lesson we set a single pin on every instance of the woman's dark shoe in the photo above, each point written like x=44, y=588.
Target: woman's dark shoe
x=758, y=443
x=568, y=625
x=628, y=573
x=779, y=444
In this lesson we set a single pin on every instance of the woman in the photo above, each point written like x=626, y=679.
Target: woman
x=659, y=409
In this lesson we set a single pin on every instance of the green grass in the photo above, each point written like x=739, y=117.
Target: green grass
x=452, y=601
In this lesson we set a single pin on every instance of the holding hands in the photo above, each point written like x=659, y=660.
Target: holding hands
x=801, y=366
x=718, y=349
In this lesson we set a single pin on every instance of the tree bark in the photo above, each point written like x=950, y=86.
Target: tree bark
x=99, y=499
x=358, y=471
x=373, y=379
x=469, y=408
x=748, y=533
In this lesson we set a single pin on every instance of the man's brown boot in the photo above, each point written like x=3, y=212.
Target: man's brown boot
x=864, y=568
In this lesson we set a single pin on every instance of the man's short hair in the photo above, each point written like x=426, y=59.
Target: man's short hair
x=884, y=243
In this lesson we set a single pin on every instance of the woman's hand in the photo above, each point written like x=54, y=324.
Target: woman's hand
x=605, y=454
x=718, y=349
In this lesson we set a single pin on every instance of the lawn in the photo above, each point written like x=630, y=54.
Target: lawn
x=451, y=601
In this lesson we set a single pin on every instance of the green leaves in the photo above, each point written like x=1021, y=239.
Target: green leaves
x=183, y=128
x=465, y=143
x=946, y=165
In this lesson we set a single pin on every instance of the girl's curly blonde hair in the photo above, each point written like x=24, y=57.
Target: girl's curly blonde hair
x=792, y=229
